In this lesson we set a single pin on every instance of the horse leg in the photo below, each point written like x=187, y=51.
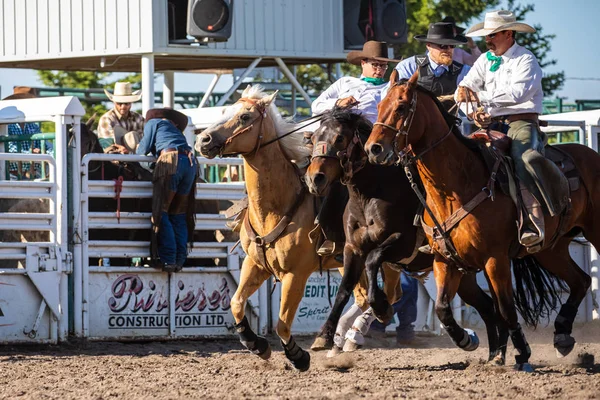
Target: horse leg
x=251, y=277
x=498, y=272
x=378, y=300
x=472, y=294
x=353, y=269
x=559, y=262
x=447, y=279
x=393, y=291
x=292, y=290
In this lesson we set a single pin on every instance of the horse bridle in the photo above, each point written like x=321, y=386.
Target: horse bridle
x=403, y=131
x=262, y=114
x=324, y=149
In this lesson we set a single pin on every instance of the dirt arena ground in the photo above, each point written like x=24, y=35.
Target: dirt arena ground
x=221, y=369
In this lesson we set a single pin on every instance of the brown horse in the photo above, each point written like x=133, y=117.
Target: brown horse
x=279, y=217
x=412, y=125
x=379, y=223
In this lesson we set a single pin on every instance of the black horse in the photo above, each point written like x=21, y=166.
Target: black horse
x=380, y=227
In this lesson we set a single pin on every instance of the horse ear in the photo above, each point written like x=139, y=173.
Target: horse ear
x=394, y=77
x=90, y=122
x=269, y=99
x=246, y=91
x=412, y=82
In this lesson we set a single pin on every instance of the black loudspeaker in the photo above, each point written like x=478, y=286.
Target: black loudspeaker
x=389, y=23
x=210, y=20
x=354, y=34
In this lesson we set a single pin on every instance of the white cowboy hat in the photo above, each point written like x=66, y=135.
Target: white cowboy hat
x=128, y=139
x=123, y=93
x=497, y=21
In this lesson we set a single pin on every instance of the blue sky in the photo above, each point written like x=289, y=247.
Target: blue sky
x=576, y=48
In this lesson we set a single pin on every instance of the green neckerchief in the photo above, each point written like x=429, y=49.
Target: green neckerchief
x=374, y=81
x=496, y=61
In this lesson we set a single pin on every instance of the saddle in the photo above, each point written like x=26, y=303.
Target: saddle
x=496, y=145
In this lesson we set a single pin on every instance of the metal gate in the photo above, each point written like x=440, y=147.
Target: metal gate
x=33, y=275
x=120, y=302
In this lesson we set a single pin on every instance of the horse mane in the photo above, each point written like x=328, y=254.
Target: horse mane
x=292, y=144
x=346, y=116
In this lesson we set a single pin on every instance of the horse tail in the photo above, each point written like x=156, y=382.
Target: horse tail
x=537, y=291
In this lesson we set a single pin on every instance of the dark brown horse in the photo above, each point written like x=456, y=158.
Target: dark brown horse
x=379, y=223
x=412, y=125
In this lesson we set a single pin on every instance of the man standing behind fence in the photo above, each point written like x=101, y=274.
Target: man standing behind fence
x=174, y=185
x=120, y=123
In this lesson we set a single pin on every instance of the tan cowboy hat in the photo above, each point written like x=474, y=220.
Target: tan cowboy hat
x=372, y=50
x=124, y=93
x=129, y=140
x=497, y=21
x=22, y=92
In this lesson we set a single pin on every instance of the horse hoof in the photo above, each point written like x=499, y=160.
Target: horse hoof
x=334, y=351
x=564, y=344
x=350, y=346
x=496, y=361
x=387, y=316
x=322, y=343
x=302, y=364
x=525, y=367
x=473, y=342
x=263, y=348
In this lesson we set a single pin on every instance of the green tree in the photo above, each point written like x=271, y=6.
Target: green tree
x=85, y=80
x=77, y=80
x=540, y=45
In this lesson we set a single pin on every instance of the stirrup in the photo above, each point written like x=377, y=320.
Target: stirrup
x=330, y=248
x=426, y=249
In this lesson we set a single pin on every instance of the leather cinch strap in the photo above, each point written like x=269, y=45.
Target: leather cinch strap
x=261, y=242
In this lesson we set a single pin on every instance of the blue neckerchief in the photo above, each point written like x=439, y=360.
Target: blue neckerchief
x=496, y=61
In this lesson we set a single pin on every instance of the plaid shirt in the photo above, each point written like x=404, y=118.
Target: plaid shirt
x=107, y=123
x=16, y=129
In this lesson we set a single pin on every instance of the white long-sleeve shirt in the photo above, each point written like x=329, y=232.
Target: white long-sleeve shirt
x=515, y=88
x=367, y=95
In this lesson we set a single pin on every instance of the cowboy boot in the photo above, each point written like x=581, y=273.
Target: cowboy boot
x=532, y=231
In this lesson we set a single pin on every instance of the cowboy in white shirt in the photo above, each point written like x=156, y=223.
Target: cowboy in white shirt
x=365, y=91
x=364, y=94
x=507, y=80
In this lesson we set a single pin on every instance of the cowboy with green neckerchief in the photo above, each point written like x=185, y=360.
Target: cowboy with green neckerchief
x=507, y=81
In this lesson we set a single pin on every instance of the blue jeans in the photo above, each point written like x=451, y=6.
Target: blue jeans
x=405, y=308
x=173, y=234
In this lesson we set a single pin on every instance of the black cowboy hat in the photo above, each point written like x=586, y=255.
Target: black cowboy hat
x=179, y=119
x=450, y=20
x=372, y=50
x=442, y=33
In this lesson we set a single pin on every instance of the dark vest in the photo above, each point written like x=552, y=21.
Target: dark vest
x=442, y=85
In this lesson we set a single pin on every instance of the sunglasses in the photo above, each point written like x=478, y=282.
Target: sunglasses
x=375, y=64
x=443, y=46
x=492, y=35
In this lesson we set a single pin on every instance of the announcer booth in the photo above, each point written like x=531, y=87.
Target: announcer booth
x=34, y=256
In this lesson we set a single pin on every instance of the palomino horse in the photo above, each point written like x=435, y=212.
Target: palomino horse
x=379, y=221
x=279, y=217
x=413, y=127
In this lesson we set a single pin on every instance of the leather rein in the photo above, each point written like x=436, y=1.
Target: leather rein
x=441, y=231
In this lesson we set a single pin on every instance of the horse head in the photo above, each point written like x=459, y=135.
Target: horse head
x=240, y=129
x=336, y=144
x=394, y=129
